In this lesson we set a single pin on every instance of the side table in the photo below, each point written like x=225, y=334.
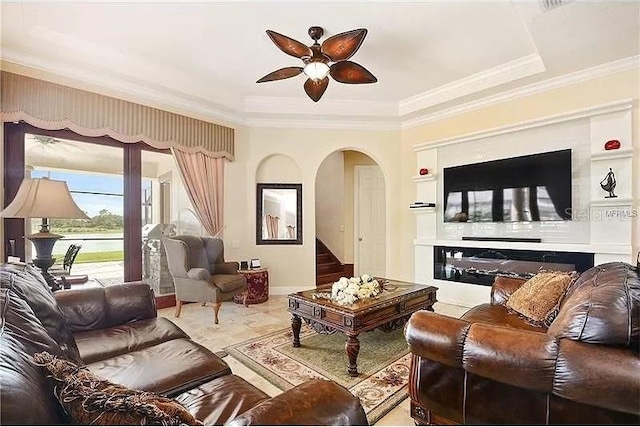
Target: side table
x=257, y=286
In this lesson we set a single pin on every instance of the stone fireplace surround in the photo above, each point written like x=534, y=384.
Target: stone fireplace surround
x=600, y=229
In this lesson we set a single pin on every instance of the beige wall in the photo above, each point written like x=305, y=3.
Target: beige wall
x=329, y=204
x=293, y=266
x=594, y=92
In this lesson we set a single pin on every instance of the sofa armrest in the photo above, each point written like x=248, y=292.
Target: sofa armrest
x=503, y=287
x=88, y=309
x=199, y=274
x=230, y=267
x=437, y=337
x=315, y=402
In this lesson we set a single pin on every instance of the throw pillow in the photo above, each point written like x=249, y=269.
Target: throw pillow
x=538, y=299
x=90, y=400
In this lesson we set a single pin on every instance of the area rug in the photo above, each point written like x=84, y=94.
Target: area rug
x=383, y=364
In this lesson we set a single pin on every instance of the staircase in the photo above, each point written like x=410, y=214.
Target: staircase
x=328, y=268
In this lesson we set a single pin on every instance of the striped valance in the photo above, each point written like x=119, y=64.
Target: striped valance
x=52, y=106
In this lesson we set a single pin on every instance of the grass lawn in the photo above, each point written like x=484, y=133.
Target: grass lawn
x=99, y=256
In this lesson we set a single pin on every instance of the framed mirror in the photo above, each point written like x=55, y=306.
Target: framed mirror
x=279, y=214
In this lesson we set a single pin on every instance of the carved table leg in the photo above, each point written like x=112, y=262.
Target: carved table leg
x=296, y=323
x=352, y=347
x=430, y=308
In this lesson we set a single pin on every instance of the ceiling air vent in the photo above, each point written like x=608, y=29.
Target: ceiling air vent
x=547, y=5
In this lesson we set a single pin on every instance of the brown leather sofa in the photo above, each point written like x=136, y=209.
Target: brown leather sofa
x=116, y=333
x=491, y=367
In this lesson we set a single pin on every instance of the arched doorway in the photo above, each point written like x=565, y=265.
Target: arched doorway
x=350, y=217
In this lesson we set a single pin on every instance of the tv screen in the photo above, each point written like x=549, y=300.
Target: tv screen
x=528, y=188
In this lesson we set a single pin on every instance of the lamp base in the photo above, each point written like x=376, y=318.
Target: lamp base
x=43, y=242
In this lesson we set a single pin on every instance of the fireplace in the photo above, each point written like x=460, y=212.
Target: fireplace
x=479, y=266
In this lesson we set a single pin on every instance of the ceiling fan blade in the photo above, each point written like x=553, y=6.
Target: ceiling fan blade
x=351, y=73
x=314, y=89
x=288, y=45
x=282, y=73
x=342, y=46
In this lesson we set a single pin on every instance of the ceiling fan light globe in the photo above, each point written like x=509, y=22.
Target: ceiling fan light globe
x=316, y=70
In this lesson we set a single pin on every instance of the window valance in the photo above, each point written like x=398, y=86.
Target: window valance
x=52, y=106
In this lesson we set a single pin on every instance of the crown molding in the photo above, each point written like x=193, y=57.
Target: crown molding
x=334, y=107
x=330, y=114
x=501, y=74
x=595, y=110
x=602, y=70
x=328, y=123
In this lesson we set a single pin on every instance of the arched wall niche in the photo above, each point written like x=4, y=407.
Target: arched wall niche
x=278, y=168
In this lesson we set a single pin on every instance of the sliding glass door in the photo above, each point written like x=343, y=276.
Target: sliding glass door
x=105, y=179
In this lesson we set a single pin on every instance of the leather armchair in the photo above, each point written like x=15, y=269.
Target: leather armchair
x=200, y=273
x=491, y=367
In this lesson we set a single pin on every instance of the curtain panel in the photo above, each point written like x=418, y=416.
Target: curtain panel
x=203, y=178
x=52, y=106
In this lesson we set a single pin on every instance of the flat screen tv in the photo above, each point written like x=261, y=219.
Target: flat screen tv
x=528, y=188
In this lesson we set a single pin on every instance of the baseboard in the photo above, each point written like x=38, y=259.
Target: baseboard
x=165, y=300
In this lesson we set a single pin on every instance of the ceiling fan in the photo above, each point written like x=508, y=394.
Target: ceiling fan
x=330, y=58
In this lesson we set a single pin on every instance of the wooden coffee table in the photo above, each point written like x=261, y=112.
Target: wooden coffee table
x=387, y=311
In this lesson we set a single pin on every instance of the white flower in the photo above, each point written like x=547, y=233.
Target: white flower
x=348, y=291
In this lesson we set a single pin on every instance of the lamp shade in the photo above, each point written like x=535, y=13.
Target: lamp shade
x=316, y=70
x=43, y=198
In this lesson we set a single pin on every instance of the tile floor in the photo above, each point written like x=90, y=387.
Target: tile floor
x=238, y=323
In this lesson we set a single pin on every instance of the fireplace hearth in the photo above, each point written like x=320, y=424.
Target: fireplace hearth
x=479, y=266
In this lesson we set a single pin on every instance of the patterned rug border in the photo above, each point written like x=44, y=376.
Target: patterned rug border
x=373, y=416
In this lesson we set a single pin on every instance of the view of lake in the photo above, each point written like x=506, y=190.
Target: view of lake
x=89, y=245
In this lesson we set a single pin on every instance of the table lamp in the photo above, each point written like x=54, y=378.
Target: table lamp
x=43, y=198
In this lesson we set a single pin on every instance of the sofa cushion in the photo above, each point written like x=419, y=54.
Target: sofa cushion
x=23, y=384
x=503, y=287
x=100, y=308
x=498, y=315
x=538, y=299
x=91, y=400
x=228, y=282
x=167, y=368
x=100, y=344
x=28, y=285
x=221, y=400
x=602, y=307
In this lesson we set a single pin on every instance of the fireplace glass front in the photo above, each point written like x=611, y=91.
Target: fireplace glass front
x=480, y=265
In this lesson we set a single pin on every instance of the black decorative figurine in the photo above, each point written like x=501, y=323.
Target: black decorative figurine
x=609, y=184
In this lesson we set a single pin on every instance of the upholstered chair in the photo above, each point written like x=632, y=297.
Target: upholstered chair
x=200, y=273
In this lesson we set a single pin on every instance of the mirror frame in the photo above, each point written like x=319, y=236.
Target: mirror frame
x=259, y=209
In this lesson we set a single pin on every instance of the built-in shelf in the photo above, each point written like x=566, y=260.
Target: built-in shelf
x=622, y=153
x=424, y=210
x=613, y=201
x=424, y=178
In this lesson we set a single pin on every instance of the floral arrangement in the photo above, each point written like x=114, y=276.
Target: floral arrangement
x=348, y=291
